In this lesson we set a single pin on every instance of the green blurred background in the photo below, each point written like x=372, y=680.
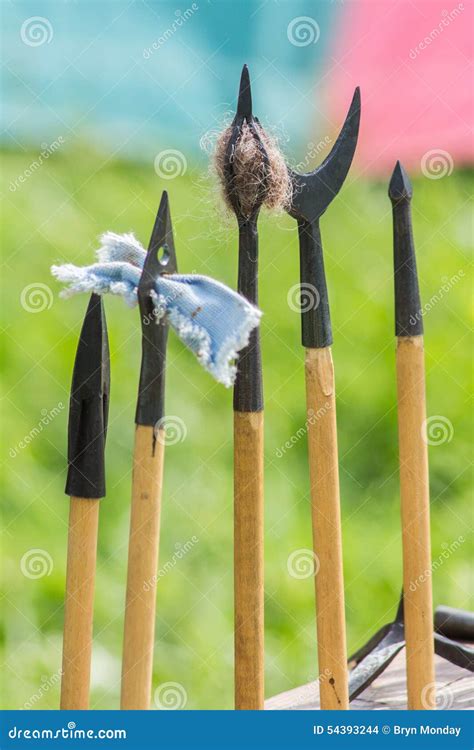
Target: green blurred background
x=55, y=216
x=194, y=639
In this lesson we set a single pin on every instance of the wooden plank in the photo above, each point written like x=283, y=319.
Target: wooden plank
x=454, y=690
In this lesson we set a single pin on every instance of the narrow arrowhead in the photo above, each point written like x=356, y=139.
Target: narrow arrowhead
x=150, y=402
x=408, y=315
x=244, y=102
x=400, y=186
x=88, y=409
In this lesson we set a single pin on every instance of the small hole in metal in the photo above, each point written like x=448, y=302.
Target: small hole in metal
x=163, y=255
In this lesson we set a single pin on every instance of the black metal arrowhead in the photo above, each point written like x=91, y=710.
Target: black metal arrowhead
x=89, y=406
x=408, y=314
x=160, y=259
x=244, y=102
x=313, y=192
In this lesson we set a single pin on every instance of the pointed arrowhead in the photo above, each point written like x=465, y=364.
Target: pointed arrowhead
x=400, y=186
x=244, y=102
x=408, y=313
x=88, y=409
x=161, y=238
x=313, y=192
x=91, y=375
x=160, y=259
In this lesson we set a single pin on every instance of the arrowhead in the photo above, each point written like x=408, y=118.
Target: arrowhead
x=244, y=102
x=88, y=409
x=313, y=192
x=400, y=187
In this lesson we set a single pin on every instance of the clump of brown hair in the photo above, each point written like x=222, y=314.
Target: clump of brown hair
x=254, y=180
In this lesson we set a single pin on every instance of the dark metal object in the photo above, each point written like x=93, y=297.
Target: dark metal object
x=454, y=623
x=248, y=390
x=89, y=407
x=312, y=194
x=160, y=259
x=375, y=656
x=408, y=319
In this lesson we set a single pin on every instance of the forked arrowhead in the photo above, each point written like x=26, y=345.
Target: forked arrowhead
x=313, y=192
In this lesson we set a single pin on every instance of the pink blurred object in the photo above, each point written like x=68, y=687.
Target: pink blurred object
x=412, y=61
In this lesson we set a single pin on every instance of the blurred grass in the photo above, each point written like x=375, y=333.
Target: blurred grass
x=56, y=215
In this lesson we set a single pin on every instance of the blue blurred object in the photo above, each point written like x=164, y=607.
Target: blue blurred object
x=136, y=77
x=212, y=320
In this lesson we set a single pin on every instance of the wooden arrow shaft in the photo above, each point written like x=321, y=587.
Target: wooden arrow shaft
x=414, y=493
x=79, y=603
x=248, y=560
x=327, y=535
x=140, y=607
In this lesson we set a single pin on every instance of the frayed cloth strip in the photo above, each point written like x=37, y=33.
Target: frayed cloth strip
x=212, y=320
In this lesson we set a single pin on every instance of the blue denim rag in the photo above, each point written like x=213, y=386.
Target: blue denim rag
x=212, y=320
